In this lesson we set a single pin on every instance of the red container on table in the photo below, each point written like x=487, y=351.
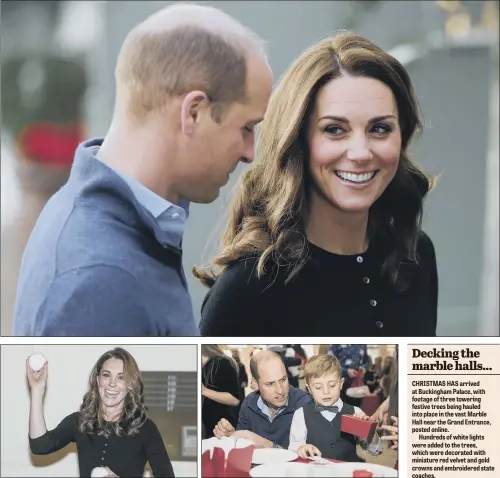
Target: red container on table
x=357, y=426
x=362, y=474
x=237, y=465
x=207, y=465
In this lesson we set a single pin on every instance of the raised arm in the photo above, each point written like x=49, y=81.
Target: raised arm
x=59, y=437
x=37, y=382
x=43, y=442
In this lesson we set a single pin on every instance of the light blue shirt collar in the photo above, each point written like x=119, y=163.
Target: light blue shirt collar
x=264, y=408
x=171, y=218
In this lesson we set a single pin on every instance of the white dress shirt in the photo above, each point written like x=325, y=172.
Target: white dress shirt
x=298, y=430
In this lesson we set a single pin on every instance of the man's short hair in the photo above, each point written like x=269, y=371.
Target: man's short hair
x=155, y=64
x=320, y=365
x=255, y=362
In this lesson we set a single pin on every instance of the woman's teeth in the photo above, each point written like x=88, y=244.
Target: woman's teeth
x=355, y=178
x=111, y=394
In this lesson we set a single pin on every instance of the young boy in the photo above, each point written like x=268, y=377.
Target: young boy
x=315, y=429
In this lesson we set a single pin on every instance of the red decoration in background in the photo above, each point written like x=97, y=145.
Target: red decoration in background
x=50, y=143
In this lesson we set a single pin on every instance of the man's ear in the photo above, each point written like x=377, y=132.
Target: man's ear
x=253, y=384
x=342, y=383
x=192, y=107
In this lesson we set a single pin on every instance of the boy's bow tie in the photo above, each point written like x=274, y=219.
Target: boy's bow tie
x=323, y=408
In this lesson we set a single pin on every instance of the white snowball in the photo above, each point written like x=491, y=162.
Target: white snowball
x=36, y=361
x=99, y=472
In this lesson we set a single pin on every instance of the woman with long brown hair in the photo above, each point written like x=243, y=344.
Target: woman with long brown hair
x=111, y=430
x=219, y=388
x=324, y=231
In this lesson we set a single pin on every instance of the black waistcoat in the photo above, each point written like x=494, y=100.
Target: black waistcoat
x=327, y=437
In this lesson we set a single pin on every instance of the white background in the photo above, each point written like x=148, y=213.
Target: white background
x=69, y=369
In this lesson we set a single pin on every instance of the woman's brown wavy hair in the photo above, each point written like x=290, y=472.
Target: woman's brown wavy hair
x=269, y=210
x=134, y=414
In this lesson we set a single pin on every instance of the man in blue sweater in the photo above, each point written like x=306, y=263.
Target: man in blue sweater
x=266, y=415
x=105, y=257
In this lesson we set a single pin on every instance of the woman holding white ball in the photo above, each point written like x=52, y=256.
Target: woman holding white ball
x=113, y=435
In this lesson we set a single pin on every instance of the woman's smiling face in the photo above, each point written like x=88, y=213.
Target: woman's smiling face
x=112, y=386
x=354, y=142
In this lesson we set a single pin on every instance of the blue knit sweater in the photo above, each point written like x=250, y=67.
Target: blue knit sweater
x=278, y=430
x=98, y=264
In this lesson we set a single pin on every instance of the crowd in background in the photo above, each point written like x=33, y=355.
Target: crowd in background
x=360, y=369
x=226, y=381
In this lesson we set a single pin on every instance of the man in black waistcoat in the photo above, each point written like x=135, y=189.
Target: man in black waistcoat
x=315, y=430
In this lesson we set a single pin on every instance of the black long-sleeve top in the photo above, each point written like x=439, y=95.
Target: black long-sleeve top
x=332, y=295
x=125, y=456
x=218, y=374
